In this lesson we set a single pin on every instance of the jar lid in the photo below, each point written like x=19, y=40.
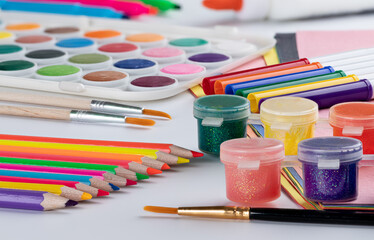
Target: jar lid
x=352, y=114
x=251, y=153
x=330, y=152
x=227, y=107
x=290, y=110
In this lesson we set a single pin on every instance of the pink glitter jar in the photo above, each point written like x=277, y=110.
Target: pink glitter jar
x=252, y=168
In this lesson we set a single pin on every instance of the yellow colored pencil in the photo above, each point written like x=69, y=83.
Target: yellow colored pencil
x=152, y=153
x=61, y=190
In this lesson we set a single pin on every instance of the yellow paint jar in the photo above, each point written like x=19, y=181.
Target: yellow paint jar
x=289, y=119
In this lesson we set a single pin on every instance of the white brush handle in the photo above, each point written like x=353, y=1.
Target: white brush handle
x=59, y=114
x=72, y=103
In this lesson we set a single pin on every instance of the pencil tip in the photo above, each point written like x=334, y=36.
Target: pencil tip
x=101, y=193
x=86, y=196
x=141, y=176
x=114, y=187
x=165, y=167
x=70, y=203
x=182, y=160
x=156, y=113
x=153, y=171
x=197, y=154
x=130, y=182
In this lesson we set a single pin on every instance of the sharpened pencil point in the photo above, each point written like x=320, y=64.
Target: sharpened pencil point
x=141, y=176
x=197, y=154
x=182, y=160
x=70, y=203
x=156, y=113
x=86, y=196
x=165, y=167
x=130, y=182
x=114, y=187
x=153, y=171
x=101, y=193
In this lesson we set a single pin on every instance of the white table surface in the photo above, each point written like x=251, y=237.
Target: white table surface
x=120, y=216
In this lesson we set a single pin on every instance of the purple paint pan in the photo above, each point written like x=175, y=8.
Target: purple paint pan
x=210, y=60
x=149, y=83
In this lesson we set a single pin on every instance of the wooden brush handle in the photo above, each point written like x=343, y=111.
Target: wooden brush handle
x=50, y=113
x=72, y=103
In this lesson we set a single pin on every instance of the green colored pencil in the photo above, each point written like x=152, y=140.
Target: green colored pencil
x=120, y=171
x=162, y=5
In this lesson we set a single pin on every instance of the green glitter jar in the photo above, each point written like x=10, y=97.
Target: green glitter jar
x=220, y=118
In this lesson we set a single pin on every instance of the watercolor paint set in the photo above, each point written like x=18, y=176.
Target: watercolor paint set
x=116, y=59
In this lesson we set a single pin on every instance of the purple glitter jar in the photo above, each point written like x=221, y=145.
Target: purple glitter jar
x=330, y=168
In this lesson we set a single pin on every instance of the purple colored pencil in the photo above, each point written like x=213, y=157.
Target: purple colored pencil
x=32, y=200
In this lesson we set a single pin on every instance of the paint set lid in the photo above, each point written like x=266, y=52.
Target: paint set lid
x=330, y=152
x=288, y=111
x=352, y=114
x=251, y=153
x=221, y=107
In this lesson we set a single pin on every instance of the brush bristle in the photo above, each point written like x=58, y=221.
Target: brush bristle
x=156, y=113
x=161, y=209
x=140, y=121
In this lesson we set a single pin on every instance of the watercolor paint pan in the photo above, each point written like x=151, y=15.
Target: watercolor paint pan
x=84, y=35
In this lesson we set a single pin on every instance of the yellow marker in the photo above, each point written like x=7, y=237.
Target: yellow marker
x=289, y=119
x=61, y=190
x=255, y=97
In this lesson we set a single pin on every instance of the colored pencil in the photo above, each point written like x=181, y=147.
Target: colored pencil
x=61, y=190
x=77, y=185
x=75, y=156
x=108, y=177
x=88, y=180
x=32, y=200
x=97, y=169
x=162, y=157
x=165, y=147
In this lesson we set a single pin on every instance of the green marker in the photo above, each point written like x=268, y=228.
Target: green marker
x=245, y=91
x=162, y=5
x=120, y=171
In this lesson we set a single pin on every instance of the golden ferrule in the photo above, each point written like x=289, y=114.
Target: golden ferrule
x=216, y=212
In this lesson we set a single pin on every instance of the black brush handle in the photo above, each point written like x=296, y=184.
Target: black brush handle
x=311, y=216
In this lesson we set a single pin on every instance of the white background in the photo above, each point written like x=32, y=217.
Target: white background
x=120, y=216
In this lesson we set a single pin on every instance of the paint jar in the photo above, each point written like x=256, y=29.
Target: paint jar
x=165, y=55
x=356, y=120
x=6, y=37
x=220, y=118
x=63, y=32
x=105, y=79
x=35, y=41
x=147, y=40
x=76, y=45
x=252, y=169
x=105, y=36
x=190, y=44
x=289, y=119
x=59, y=73
x=235, y=48
x=47, y=56
x=120, y=50
x=183, y=71
x=136, y=66
x=152, y=83
x=17, y=68
x=11, y=51
x=330, y=168
x=210, y=60
x=21, y=29
x=91, y=61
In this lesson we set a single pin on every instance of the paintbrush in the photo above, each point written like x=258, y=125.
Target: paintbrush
x=80, y=103
x=271, y=214
x=72, y=115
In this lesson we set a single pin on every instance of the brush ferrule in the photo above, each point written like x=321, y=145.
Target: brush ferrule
x=95, y=117
x=114, y=108
x=216, y=212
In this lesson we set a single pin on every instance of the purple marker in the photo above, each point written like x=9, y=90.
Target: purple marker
x=326, y=97
x=32, y=200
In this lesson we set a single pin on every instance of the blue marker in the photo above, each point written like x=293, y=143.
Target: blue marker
x=69, y=9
